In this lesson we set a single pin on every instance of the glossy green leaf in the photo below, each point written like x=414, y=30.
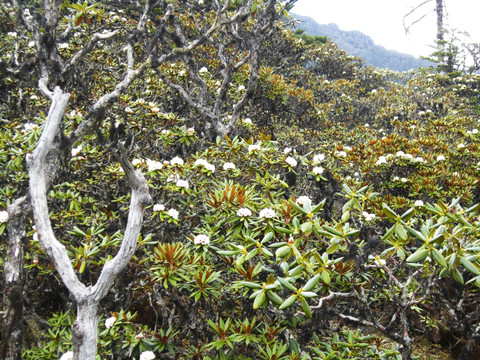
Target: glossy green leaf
x=311, y=283
x=469, y=266
x=418, y=255
x=259, y=300
x=306, y=309
x=286, y=284
x=283, y=251
x=288, y=302
x=325, y=277
x=439, y=259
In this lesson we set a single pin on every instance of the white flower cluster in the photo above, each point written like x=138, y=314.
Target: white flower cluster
x=67, y=356
x=291, y=161
x=201, y=240
x=176, y=161
x=182, y=183
x=318, y=170
x=229, y=166
x=303, y=200
x=75, y=151
x=244, y=212
x=30, y=126
x=367, y=216
x=381, y=160
x=173, y=214
x=247, y=121
x=379, y=261
x=287, y=150
x=3, y=217
x=158, y=207
x=253, y=147
x=147, y=355
x=172, y=178
x=318, y=158
x=418, y=203
x=154, y=165
x=205, y=164
x=267, y=213
x=110, y=321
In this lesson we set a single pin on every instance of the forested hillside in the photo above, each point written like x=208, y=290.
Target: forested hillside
x=192, y=180
x=359, y=44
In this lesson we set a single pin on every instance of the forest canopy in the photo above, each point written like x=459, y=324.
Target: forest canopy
x=200, y=180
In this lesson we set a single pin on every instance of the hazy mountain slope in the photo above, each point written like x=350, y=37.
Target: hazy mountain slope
x=359, y=44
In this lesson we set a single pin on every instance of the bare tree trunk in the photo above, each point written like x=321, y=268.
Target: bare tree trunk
x=440, y=29
x=85, y=331
x=40, y=163
x=12, y=327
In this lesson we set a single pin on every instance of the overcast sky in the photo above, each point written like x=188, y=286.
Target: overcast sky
x=382, y=20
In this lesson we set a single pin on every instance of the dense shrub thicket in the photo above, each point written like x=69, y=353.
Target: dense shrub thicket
x=336, y=218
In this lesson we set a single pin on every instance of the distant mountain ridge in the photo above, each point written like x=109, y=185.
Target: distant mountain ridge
x=357, y=43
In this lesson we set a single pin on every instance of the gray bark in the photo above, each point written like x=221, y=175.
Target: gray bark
x=12, y=327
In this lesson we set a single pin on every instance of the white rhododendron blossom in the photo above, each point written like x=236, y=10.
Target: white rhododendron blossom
x=173, y=214
x=244, y=212
x=229, y=166
x=109, y=322
x=381, y=160
x=317, y=170
x=341, y=154
x=147, y=355
x=201, y=240
x=30, y=126
x=176, y=161
x=318, y=158
x=253, y=147
x=3, y=217
x=203, y=70
x=67, y=356
x=205, y=164
x=137, y=162
x=287, y=150
x=291, y=161
x=404, y=180
x=158, y=207
x=367, y=216
x=182, y=183
x=247, y=121
x=154, y=165
x=190, y=130
x=418, y=203
x=379, y=261
x=267, y=213
x=440, y=158
x=303, y=200
x=172, y=178
x=460, y=146
x=75, y=151
x=400, y=154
